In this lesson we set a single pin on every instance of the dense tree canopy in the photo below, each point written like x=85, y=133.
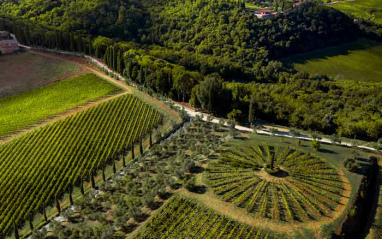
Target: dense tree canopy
x=112, y=18
x=189, y=50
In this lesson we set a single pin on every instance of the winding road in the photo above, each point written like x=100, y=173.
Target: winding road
x=205, y=116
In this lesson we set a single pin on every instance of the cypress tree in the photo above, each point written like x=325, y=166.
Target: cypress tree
x=251, y=113
x=103, y=172
x=31, y=221
x=90, y=47
x=82, y=187
x=151, y=138
x=114, y=59
x=58, y=206
x=70, y=194
x=44, y=212
x=16, y=231
x=114, y=167
x=128, y=70
x=92, y=178
x=140, y=75
x=140, y=146
x=122, y=62
x=132, y=151
x=97, y=53
x=106, y=56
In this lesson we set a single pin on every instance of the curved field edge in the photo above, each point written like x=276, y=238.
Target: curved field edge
x=31, y=107
x=357, y=61
x=294, y=194
x=29, y=71
x=42, y=164
x=331, y=154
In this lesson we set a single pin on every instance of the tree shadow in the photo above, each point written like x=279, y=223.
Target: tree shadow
x=362, y=169
x=328, y=151
x=199, y=189
x=197, y=169
x=326, y=53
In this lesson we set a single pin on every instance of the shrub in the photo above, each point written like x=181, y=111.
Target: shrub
x=316, y=144
x=351, y=164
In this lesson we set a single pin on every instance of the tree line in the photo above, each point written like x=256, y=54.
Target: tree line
x=192, y=57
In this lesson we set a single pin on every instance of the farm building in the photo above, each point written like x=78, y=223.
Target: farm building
x=8, y=43
x=265, y=14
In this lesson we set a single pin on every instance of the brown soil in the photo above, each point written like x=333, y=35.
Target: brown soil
x=282, y=175
x=86, y=68
x=28, y=71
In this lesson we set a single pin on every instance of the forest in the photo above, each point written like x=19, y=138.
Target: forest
x=197, y=51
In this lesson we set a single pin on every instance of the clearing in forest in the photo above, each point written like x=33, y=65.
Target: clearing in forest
x=366, y=9
x=28, y=108
x=358, y=61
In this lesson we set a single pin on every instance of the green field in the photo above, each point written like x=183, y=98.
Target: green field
x=185, y=218
x=31, y=107
x=43, y=164
x=358, y=61
x=366, y=9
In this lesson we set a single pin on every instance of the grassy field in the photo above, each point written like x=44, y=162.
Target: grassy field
x=366, y=9
x=251, y=6
x=360, y=61
x=30, y=107
x=28, y=71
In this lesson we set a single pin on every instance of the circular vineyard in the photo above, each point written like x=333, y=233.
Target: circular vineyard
x=278, y=183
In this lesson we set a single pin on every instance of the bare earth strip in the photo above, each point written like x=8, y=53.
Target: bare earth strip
x=28, y=71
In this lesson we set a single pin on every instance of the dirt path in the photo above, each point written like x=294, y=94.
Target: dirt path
x=210, y=200
x=84, y=64
x=126, y=90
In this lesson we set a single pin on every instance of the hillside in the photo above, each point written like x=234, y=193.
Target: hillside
x=200, y=119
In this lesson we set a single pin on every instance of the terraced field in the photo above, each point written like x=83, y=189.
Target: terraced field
x=185, y=218
x=277, y=183
x=41, y=165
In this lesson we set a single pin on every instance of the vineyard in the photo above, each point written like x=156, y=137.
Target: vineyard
x=185, y=218
x=277, y=183
x=41, y=165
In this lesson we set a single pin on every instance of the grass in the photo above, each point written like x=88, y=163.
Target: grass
x=359, y=61
x=251, y=6
x=28, y=71
x=31, y=107
x=366, y=9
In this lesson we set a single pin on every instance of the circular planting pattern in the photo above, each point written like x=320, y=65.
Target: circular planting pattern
x=278, y=183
